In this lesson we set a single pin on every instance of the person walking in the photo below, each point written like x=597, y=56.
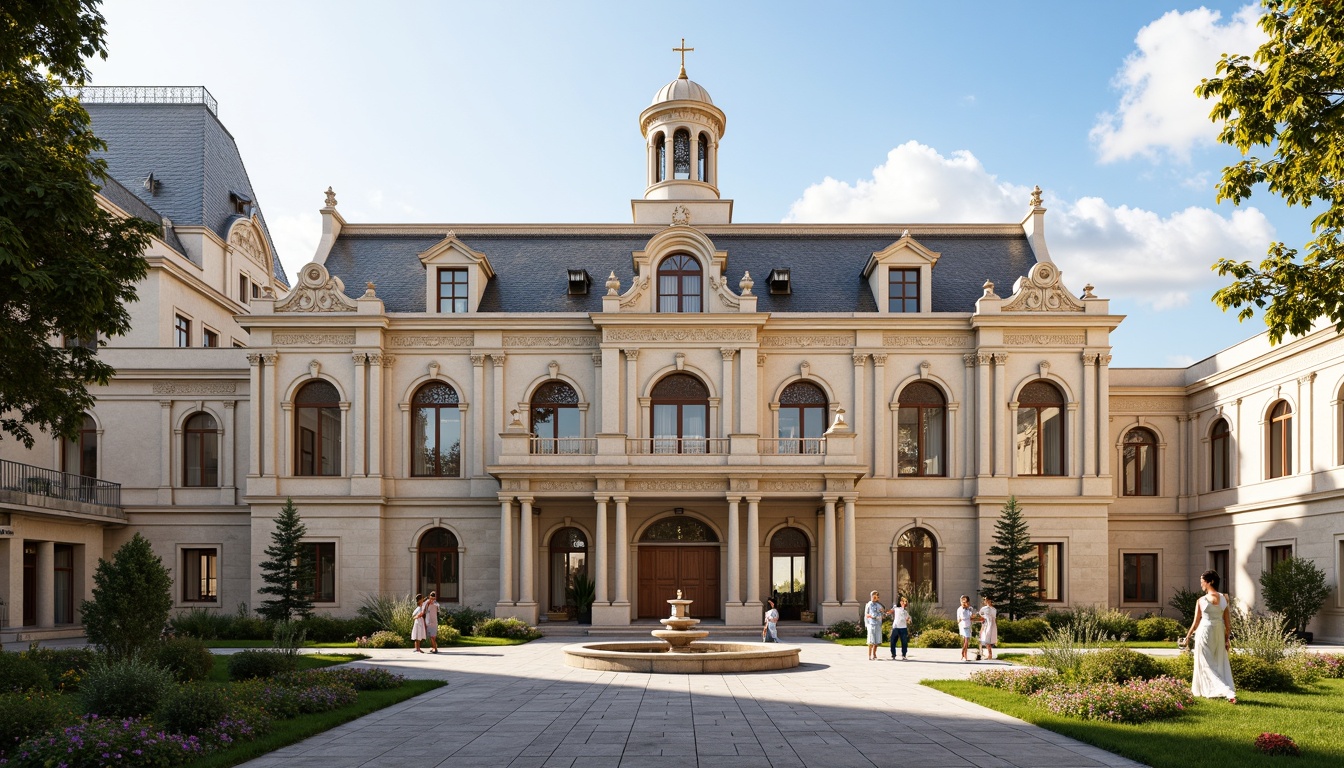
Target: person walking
x=900, y=628
x=432, y=621
x=418, y=622
x=964, y=614
x=1212, y=632
x=872, y=617
x=770, y=632
x=989, y=629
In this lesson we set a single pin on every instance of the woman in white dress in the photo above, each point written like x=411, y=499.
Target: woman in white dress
x=964, y=614
x=1212, y=633
x=989, y=629
x=418, y=631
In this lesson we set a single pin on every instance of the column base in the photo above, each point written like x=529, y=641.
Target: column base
x=749, y=614
x=525, y=611
x=833, y=612
x=613, y=615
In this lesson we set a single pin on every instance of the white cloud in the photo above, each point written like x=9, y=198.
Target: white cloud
x=1126, y=252
x=1158, y=108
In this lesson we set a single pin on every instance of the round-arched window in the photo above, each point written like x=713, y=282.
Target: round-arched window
x=679, y=278
x=680, y=415
x=1281, y=439
x=439, y=563
x=916, y=564
x=1220, y=456
x=678, y=529
x=555, y=418
x=660, y=144
x=200, y=451
x=1039, y=449
x=317, y=429
x=802, y=418
x=1139, y=463
x=681, y=154
x=921, y=431
x=436, y=432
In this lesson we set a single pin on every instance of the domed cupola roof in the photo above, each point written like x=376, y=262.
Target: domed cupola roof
x=682, y=89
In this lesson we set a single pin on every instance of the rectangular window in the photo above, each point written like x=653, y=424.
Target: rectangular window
x=904, y=290
x=452, y=291
x=1050, y=571
x=238, y=344
x=1220, y=560
x=1140, y=577
x=244, y=293
x=181, y=331
x=256, y=291
x=200, y=575
x=75, y=341
x=323, y=554
x=1276, y=555
x=209, y=338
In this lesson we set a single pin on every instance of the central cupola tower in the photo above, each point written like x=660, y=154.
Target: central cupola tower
x=682, y=129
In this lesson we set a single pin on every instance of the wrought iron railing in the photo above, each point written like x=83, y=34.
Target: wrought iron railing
x=564, y=446
x=155, y=94
x=676, y=445
x=792, y=446
x=38, y=481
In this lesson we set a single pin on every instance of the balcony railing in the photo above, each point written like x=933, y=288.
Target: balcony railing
x=153, y=94
x=792, y=446
x=564, y=446
x=58, y=485
x=674, y=445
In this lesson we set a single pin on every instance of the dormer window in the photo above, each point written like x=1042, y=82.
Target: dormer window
x=241, y=205
x=452, y=291
x=903, y=271
x=903, y=293
x=679, y=278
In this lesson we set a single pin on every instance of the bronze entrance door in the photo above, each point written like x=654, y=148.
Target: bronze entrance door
x=665, y=569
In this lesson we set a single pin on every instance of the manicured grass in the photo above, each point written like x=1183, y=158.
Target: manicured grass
x=220, y=672
x=1209, y=733
x=286, y=732
x=462, y=642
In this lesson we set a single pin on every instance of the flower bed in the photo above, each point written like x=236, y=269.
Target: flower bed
x=1025, y=681
x=1133, y=702
x=130, y=742
x=1276, y=744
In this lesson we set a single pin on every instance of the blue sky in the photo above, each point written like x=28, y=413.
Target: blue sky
x=890, y=111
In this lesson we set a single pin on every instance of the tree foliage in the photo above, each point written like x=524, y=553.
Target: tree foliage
x=1295, y=588
x=67, y=266
x=1011, y=573
x=1288, y=97
x=131, y=601
x=288, y=569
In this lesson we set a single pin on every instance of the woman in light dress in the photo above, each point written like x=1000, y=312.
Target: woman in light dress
x=989, y=629
x=1212, y=632
x=872, y=617
x=964, y=614
x=418, y=632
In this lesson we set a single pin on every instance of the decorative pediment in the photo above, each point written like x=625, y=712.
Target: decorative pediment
x=906, y=252
x=1041, y=291
x=317, y=291
x=450, y=251
x=245, y=237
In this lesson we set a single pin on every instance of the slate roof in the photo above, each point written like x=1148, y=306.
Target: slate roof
x=189, y=151
x=826, y=269
x=126, y=200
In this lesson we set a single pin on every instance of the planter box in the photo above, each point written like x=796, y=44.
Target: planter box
x=809, y=617
x=557, y=616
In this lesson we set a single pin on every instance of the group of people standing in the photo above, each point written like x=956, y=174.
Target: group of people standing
x=426, y=626
x=874, y=612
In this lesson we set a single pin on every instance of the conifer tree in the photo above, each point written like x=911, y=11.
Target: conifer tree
x=1012, y=572
x=131, y=601
x=288, y=572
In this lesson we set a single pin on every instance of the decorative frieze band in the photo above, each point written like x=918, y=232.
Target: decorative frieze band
x=561, y=485
x=794, y=486
x=328, y=339
x=194, y=388
x=675, y=485
x=550, y=341
x=1135, y=404
x=809, y=340
x=1042, y=339
x=927, y=340
x=436, y=340
x=678, y=334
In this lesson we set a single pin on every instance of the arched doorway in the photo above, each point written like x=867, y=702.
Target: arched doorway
x=569, y=558
x=788, y=573
x=679, y=553
x=439, y=565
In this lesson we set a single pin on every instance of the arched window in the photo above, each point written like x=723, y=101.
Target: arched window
x=1220, y=456
x=660, y=142
x=788, y=572
x=438, y=557
x=1139, y=463
x=701, y=166
x=1040, y=430
x=681, y=154
x=679, y=284
x=555, y=418
x=436, y=432
x=916, y=563
x=680, y=415
x=80, y=455
x=802, y=418
x=679, y=529
x=569, y=558
x=921, y=431
x=200, y=449
x=1281, y=440
x=317, y=429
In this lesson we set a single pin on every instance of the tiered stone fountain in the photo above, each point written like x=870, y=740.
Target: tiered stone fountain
x=680, y=650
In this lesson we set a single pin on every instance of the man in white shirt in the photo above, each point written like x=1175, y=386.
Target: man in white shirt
x=770, y=631
x=900, y=628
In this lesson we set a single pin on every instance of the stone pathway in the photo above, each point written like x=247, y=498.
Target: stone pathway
x=522, y=707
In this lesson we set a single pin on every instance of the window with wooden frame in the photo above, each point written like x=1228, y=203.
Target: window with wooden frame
x=200, y=452
x=181, y=331
x=436, y=432
x=80, y=455
x=1138, y=463
x=1276, y=555
x=1220, y=560
x=1220, y=456
x=679, y=284
x=1280, y=440
x=903, y=290
x=209, y=338
x=921, y=431
x=680, y=415
x=323, y=557
x=917, y=563
x=200, y=575
x=317, y=430
x=555, y=418
x=802, y=418
x=1140, y=577
x=1040, y=430
x=453, y=287
x=1050, y=571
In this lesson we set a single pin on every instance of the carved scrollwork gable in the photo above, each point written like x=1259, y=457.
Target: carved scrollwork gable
x=724, y=293
x=317, y=291
x=246, y=239
x=1042, y=291
x=636, y=292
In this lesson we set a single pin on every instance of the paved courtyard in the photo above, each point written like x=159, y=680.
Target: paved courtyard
x=522, y=707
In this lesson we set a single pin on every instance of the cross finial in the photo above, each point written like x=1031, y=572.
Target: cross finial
x=682, y=50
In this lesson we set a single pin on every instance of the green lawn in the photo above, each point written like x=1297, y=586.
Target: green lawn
x=1209, y=733
x=461, y=643
x=220, y=672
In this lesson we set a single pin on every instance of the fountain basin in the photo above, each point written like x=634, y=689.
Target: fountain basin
x=697, y=658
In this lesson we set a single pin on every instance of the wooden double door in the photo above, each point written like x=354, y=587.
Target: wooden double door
x=692, y=569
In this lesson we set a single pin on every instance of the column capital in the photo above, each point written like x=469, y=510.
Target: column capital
x=498, y=358
x=526, y=499
x=1105, y=360
x=970, y=359
x=254, y=358
x=621, y=499
x=860, y=358
x=1090, y=358
x=381, y=359
x=879, y=358
x=631, y=355
x=270, y=357
x=1000, y=358
x=727, y=354
x=477, y=361
x=830, y=498
x=597, y=359
x=359, y=358
x=752, y=499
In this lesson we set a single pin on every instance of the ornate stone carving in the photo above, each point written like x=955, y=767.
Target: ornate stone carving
x=613, y=284
x=253, y=358
x=859, y=358
x=317, y=291
x=477, y=360
x=1136, y=404
x=511, y=485
x=331, y=198
x=550, y=341
x=1036, y=197
x=794, y=486
x=631, y=355
x=1054, y=339
x=437, y=340
x=1041, y=291
x=725, y=295
x=246, y=240
x=678, y=334
x=270, y=357
x=879, y=358
x=727, y=354
x=684, y=116
x=741, y=484
x=970, y=359
x=809, y=340
x=382, y=359
x=498, y=358
x=561, y=485
x=681, y=216
x=675, y=485
x=194, y=388
x=1000, y=358
x=608, y=484
x=637, y=288
x=327, y=339
x=926, y=340
x=1090, y=358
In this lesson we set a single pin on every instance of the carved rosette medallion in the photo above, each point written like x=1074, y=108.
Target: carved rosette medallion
x=317, y=291
x=1041, y=291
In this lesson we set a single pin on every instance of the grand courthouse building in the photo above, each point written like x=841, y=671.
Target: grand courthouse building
x=810, y=411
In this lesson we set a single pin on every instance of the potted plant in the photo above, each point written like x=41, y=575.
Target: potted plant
x=582, y=593
x=1295, y=588
x=808, y=617
x=557, y=613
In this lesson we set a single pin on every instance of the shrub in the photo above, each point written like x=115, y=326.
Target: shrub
x=1091, y=620
x=1334, y=664
x=288, y=639
x=1024, y=681
x=1185, y=602
x=1180, y=666
x=131, y=601
x=186, y=657
x=64, y=667
x=937, y=638
x=359, y=678
x=389, y=612
x=1158, y=628
x=448, y=634
x=19, y=673
x=205, y=623
x=1117, y=665
x=285, y=702
x=512, y=628
x=1133, y=702
x=945, y=624
x=382, y=639
x=101, y=741
x=843, y=629
x=25, y=715
x=1252, y=673
x=1306, y=667
x=325, y=628
x=1063, y=648
x=463, y=619
x=1059, y=617
x=1295, y=588
x=193, y=708
x=923, y=610
x=1023, y=630
x=246, y=665
x=1275, y=744
x=124, y=688
x=1264, y=636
